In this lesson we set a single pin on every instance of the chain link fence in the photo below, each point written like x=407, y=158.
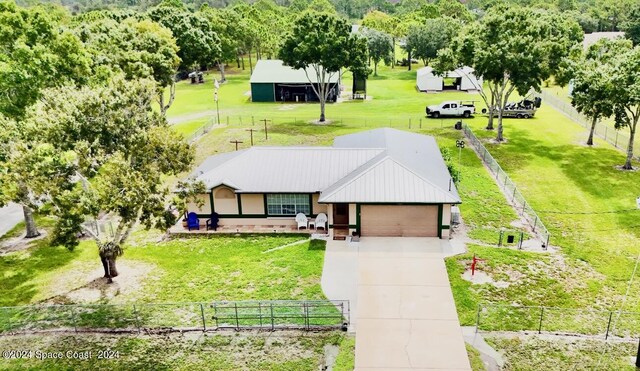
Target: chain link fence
x=616, y=138
x=509, y=188
x=597, y=323
x=267, y=315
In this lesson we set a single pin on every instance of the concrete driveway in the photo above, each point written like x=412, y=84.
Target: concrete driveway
x=403, y=311
x=10, y=215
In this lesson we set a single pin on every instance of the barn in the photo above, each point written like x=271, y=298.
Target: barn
x=272, y=81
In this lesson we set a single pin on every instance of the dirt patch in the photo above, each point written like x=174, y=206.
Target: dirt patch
x=481, y=277
x=620, y=167
x=96, y=288
x=20, y=243
x=287, y=107
x=494, y=141
x=318, y=122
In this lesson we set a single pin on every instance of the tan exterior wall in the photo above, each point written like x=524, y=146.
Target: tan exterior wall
x=317, y=208
x=330, y=214
x=446, y=220
x=259, y=221
x=446, y=214
x=352, y=214
x=204, y=209
x=224, y=205
x=252, y=204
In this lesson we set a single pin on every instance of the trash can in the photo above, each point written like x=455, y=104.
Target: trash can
x=458, y=125
x=510, y=238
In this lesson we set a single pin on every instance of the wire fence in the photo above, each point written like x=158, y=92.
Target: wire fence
x=257, y=122
x=239, y=315
x=597, y=323
x=618, y=139
x=509, y=188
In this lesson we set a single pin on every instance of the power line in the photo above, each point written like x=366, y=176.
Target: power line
x=604, y=230
x=586, y=212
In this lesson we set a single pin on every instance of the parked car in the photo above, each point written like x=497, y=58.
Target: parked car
x=451, y=109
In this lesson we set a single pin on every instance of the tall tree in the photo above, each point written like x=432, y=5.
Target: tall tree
x=626, y=97
x=513, y=49
x=592, y=75
x=36, y=52
x=380, y=46
x=631, y=26
x=139, y=49
x=123, y=149
x=592, y=91
x=198, y=43
x=380, y=21
x=427, y=39
x=228, y=25
x=324, y=44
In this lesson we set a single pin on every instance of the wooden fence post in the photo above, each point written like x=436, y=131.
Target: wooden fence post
x=541, y=316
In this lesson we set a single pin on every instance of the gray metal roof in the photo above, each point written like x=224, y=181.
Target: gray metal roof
x=286, y=169
x=387, y=181
x=382, y=165
x=273, y=71
x=416, y=152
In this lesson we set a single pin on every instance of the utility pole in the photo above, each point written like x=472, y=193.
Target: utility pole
x=266, y=136
x=236, y=143
x=215, y=98
x=460, y=145
x=251, y=131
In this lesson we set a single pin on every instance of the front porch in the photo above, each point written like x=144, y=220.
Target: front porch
x=178, y=228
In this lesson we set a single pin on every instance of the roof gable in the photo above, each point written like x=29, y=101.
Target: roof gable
x=274, y=71
x=387, y=181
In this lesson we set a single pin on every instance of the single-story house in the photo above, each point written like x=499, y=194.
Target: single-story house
x=462, y=78
x=272, y=81
x=382, y=182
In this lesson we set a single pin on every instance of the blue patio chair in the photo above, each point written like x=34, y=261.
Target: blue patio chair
x=193, y=221
x=212, y=223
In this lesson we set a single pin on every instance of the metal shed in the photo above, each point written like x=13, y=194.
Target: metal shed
x=272, y=81
x=462, y=78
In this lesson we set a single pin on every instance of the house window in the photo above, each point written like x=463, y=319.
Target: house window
x=288, y=204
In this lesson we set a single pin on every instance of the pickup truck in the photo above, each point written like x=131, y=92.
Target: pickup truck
x=452, y=109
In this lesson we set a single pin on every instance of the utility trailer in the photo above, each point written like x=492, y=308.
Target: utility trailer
x=524, y=109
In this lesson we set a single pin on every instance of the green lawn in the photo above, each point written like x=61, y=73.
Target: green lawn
x=576, y=191
x=533, y=353
x=185, y=270
x=288, y=351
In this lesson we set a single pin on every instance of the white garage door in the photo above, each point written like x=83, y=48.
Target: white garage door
x=399, y=220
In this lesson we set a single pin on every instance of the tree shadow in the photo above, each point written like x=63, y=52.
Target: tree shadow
x=20, y=269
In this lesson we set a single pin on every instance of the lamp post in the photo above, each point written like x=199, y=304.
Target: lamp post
x=215, y=98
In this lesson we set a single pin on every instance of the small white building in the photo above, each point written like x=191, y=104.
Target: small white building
x=462, y=78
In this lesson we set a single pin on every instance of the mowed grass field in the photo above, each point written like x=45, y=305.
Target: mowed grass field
x=577, y=190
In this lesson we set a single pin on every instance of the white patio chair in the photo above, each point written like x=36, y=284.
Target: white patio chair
x=301, y=219
x=321, y=221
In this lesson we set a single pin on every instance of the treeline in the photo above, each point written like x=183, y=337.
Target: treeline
x=592, y=15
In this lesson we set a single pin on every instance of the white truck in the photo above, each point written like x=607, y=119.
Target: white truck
x=452, y=109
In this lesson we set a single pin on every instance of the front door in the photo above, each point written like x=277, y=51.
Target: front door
x=341, y=215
